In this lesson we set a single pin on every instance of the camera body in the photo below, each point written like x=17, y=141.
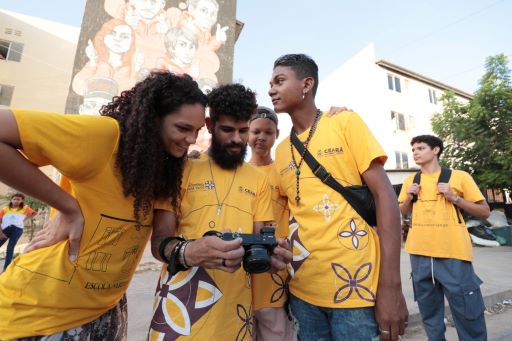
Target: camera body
x=258, y=248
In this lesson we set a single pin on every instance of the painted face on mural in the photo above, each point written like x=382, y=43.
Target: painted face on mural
x=184, y=50
x=147, y=9
x=119, y=40
x=205, y=14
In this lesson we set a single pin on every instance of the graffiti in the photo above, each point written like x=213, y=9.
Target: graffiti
x=122, y=41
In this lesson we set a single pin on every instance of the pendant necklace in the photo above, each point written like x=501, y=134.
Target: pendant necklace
x=297, y=165
x=220, y=203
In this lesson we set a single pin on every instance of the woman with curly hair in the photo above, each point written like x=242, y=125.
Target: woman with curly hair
x=73, y=280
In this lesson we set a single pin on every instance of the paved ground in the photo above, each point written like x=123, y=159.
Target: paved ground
x=493, y=265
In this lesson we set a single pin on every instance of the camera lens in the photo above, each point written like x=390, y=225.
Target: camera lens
x=256, y=259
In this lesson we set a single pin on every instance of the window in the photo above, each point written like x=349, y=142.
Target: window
x=6, y=92
x=402, y=161
x=10, y=50
x=399, y=121
x=394, y=83
x=432, y=96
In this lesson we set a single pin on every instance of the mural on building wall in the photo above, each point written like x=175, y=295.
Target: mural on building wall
x=122, y=41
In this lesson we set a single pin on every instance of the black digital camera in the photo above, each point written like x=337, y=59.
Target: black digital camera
x=258, y=248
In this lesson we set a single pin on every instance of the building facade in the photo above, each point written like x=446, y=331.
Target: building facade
x=36, y=61
x=396, y=103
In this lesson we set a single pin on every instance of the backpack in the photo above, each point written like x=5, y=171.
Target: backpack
x=444, y=177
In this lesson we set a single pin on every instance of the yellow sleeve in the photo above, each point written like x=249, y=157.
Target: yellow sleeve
x=78, y=146
x=470, y=189
x=405, y=185
x=263, y=211
x=362, y=143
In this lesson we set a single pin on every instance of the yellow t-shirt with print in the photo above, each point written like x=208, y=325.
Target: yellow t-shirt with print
x=336, y=255
x=204, y=304
x=43, y=292
x=438, y=228
x=269, y=289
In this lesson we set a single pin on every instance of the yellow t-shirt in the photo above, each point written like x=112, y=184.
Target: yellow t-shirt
x=336, y=255
x=269, y=289
x=43, y=292
x=205, y=304
x=436, y=230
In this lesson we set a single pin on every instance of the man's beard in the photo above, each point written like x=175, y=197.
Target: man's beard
x=223, y=157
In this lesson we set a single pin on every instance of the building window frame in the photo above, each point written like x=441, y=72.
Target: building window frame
x=394, y=83
x=401, y=160
x=6, y=93
x=10, y=50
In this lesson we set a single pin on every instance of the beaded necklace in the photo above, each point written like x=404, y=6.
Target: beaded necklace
x=306, y=143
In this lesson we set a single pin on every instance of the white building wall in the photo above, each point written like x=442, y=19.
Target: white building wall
x=362, y=85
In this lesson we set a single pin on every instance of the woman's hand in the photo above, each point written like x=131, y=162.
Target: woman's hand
x=60, y=227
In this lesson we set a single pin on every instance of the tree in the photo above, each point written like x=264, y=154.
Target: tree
x=478, y=135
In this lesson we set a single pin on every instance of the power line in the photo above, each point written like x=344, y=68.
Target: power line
x=442, y=28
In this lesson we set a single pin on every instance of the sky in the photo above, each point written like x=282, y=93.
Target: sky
x=446, y=40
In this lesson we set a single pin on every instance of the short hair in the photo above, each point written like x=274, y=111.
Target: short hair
x=431, y=140
x=171, y=37
x=234, y=100
x=264, y=112
x=303, y=66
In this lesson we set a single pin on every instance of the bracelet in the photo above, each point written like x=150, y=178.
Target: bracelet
x=181, y=258
x=163, y=245
x=174, y=265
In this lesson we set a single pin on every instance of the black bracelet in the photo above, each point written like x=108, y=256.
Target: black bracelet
x=163, y=245
x=173, y=267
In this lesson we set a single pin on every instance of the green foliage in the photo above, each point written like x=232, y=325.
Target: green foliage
x=478, y=135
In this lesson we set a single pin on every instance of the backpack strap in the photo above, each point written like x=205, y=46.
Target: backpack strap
x=417, y=180
x=445, y=175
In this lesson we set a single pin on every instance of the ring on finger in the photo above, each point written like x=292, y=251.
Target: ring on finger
x=384, y=331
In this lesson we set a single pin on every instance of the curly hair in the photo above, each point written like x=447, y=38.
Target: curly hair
x=303, y=66
x=234, y=100
x=148, y=171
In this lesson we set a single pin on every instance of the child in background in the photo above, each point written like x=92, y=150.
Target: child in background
x=269, y=290
x=12, y=218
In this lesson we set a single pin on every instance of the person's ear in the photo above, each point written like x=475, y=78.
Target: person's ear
x=309, y=82
x=436, y=151
x=209, y=124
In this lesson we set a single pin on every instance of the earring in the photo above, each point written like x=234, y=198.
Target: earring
x=304, y=94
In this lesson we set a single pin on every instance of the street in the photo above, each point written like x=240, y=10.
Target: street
x=140, y=300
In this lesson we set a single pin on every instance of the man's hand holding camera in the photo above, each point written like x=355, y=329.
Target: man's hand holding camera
x=214, y=253
x=282, y=255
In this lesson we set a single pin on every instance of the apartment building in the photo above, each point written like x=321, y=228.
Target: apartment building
x=36, y=62
x=396, y=103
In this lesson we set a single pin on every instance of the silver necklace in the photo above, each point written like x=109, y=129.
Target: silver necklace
x=220, y=203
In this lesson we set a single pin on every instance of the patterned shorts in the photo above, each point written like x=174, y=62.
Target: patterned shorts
x=111, y=326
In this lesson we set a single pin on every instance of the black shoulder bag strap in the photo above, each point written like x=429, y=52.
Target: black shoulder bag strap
x=327, y=179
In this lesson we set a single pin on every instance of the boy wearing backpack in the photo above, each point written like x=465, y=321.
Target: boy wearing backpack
x=439, y=243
